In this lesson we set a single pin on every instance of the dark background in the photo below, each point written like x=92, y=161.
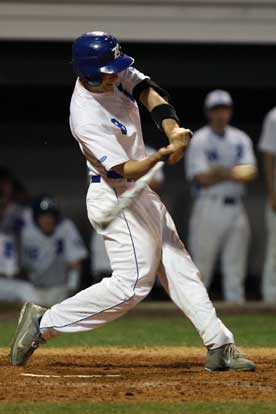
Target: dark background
x=36, y=83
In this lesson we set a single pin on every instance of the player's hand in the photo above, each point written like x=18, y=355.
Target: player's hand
x=179, y=140
x=244, y=173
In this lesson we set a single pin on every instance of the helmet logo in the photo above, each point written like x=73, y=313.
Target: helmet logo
x=117, y=51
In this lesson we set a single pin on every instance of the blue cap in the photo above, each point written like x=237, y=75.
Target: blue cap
x=95, y=53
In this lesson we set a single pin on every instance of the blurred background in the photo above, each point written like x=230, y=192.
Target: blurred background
x=188, y=46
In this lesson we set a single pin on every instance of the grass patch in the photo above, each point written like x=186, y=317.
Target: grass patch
x=249, y=330
x=139, y=408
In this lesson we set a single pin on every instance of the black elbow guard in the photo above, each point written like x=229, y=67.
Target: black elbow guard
x=148, y=83
x=161, y=112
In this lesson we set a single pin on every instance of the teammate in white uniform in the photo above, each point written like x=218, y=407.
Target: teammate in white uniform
x=143, y=241
x=219, y=161
x=268, y=147
x=12, y=219
x=100, y=264
x=51, y=253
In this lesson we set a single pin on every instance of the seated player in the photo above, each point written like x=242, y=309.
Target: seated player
x=143, y=241
x=12, y=219
x=51, y=252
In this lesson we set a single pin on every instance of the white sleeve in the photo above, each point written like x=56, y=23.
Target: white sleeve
x=130, y=78
x=75, y=249
x=245, y=151
x=196, y=160
x=100, y=143
x=267, y=141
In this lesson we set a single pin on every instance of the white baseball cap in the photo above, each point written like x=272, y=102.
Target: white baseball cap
x=217, y=98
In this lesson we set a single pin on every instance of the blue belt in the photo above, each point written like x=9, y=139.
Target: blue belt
x=231, y=201
x=110, y=174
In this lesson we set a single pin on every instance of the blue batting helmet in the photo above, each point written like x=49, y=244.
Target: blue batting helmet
x=95, y=53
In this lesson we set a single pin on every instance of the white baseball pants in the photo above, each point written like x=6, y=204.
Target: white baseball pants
x=269, y=273
x=218, y=229
x=142, y=242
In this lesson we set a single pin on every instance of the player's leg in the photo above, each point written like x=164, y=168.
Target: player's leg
x=100, y=264
x=269, y=273
x=51, y=295
x=16, y=290
x=133, y=245
x=134, y=254
x=205, y=236
x=234, y=256
x=181, y=279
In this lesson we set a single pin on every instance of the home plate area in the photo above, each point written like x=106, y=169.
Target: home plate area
x=134, y=374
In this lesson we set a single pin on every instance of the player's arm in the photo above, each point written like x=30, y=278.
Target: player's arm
x=74, y=275
x=134, y=169
x=166, y=119
x=269, y=167
x=239, y=173
x=213, y=176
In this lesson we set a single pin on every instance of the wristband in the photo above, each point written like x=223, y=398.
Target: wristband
x=161, y=112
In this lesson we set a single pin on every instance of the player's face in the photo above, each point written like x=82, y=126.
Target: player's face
x=220, y=117
x=47, y=223
x=108, y=81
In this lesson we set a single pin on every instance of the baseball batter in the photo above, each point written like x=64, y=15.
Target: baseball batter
x=143, y=241
x=219, y=162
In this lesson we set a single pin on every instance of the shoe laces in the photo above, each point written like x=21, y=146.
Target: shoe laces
x=37, y=340
x=233, y=352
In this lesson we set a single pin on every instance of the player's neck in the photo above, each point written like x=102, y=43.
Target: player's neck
x=95, y=89
x=218, y=130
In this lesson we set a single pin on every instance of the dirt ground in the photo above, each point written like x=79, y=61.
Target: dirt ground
x=112, y=374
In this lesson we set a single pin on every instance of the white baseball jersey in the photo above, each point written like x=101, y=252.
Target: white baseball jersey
x=268, y=144
x=208, y=150
x=268, y=137
x=11, y=224
x=107, y=125
x=46, y=258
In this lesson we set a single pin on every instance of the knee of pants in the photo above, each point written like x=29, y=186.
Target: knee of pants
x=129, y=287
x=144, y=286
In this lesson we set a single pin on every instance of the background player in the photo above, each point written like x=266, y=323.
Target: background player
x=51, y=252
x=143, y=241
x=12, y=219
x=219, y=161
x=268, y=147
